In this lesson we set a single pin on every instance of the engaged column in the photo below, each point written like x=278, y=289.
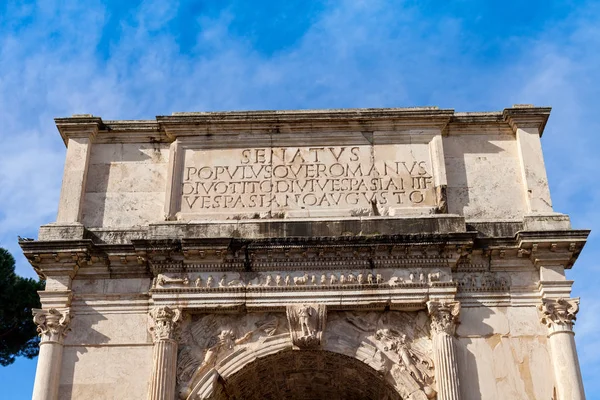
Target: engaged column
x=52, y=326
x=559, y=316
x=162, y=386
x=444, y=317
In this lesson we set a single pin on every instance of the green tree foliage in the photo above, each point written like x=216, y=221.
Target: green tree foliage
x=18, y=296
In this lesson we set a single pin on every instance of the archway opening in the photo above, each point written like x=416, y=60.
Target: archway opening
x=306, y=375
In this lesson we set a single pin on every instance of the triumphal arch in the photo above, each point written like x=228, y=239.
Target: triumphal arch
x=405, y=253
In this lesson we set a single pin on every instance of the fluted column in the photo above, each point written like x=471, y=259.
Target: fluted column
x=52, y=326
x=559, y=316
x=444, y=317
x=165, y=323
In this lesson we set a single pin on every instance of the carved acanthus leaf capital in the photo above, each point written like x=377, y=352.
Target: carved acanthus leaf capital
x=559, y=313
x=165, y=321
x=52, y=325
x=444, y=316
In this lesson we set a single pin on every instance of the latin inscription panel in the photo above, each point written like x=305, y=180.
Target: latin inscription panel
x=278, y=182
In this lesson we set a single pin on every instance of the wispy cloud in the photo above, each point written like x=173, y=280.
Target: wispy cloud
x=59, y=58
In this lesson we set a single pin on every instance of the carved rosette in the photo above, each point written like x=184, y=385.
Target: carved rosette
x=165, y=321
x=444, y=316
x=307, y=323
x=52, y=325
x=559, y=314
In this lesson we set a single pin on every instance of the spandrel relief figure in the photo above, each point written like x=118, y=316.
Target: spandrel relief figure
x=207, y=340
x=408, y=357
x=225, y=342
x=401, y=355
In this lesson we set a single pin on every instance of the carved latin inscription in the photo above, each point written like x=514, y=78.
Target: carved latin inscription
x=373, y=180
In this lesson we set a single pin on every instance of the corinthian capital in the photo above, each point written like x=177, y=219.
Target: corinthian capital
x=165, y=321
x=444, y=316
x=52, y=325
x=559, y=313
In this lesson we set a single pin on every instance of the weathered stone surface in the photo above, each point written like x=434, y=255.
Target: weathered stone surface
x=367, y=254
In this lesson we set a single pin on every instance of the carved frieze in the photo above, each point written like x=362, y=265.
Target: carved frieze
x=304, y=279
x=559, y=313
x=482, y=281
x=444, y=316
x=307, y=323
x=52, y=324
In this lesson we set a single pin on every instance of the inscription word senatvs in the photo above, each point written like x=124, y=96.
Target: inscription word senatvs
x=306, y=177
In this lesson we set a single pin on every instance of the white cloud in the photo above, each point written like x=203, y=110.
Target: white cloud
x=355, y=54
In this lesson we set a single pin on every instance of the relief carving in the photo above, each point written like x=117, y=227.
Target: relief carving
x=409, y=359
x=482, y=281
x=396, y=344
x=163, y=280
x=444, y=316
x=52, y=325
x=559, y=313
x=206, y=340
x=308, y=279
x=307, y=322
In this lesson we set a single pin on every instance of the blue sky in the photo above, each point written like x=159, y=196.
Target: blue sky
x=139, y=59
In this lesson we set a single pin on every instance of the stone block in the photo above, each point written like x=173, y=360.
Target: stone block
x=61, y=231
x=546, y=222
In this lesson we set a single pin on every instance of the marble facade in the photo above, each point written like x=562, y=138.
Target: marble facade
x=342, y=254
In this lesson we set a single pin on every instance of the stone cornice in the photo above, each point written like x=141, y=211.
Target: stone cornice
x=547, y=248
x=151, y=255
x=390, y=119
x=79, y=125
x=197, y=124
x=57, y=257
x=527, y=116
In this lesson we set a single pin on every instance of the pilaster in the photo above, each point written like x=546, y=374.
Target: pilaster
x=78, y=133
x=528, y=124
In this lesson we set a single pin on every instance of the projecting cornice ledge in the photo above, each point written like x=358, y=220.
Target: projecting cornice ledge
x=195, y=124
x=527, y=116
x=79, y=125
x=274, y=122
x=548, y=248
